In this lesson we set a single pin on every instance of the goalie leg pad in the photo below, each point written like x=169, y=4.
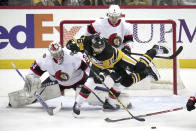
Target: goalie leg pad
x=125, y=99
x=101, y=92
x=21, y=98
x=51, y=92
x=109, y=82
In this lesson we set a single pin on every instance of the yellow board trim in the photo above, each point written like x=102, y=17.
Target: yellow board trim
x=26, y=63
x=20, y=64
x=187, y=63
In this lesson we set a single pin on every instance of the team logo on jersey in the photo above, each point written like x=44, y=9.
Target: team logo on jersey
x=61, y=76
x=115, y=40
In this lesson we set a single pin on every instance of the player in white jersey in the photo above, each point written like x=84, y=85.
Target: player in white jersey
x=66, y=70
x=114, y=28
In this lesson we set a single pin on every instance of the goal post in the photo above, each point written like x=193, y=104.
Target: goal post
x=163, y=31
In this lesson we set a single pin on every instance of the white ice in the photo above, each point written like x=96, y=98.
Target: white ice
x=34, y=118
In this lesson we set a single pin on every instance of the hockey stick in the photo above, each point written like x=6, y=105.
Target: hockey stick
x=178, y=51
x=132, y=116
x=99, y=99
x=96, y=75
x=145, y=115
x=49, y=110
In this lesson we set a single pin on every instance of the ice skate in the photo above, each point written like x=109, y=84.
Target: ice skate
x=108, y=107
x=76, y=110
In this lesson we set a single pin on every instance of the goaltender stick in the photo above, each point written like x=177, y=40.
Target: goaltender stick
x=65, y=72
x=104, y=57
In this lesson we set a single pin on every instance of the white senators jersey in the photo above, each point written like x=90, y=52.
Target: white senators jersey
x=68, y=73
x=116, y=34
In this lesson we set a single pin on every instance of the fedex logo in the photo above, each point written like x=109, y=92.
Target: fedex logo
x=33, y=31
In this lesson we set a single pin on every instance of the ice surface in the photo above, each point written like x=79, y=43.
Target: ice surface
x=34, y=118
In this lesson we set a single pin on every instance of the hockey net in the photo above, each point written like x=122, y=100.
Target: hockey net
x=146, y=33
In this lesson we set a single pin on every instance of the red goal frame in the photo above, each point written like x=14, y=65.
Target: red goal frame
x=173, y=23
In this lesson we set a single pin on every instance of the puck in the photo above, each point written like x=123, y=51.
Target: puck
x=153, y=127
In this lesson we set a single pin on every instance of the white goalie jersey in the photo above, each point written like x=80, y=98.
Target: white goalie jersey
x=68, y=73
x=116, y=34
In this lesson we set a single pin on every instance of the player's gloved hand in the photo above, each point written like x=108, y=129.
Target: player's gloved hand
x=126, y=49
x=100, y=79
x=104, y=78
x=71, y=45
x=32, y=84
x=107, y=79
x=190, y=105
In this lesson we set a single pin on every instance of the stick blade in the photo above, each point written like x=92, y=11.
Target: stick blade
x=52, y=111
x=177, y=52
x=122, y=119
x=139, y=119
x=57, y=109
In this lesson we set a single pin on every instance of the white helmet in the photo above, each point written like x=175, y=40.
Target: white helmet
x=114, y=13
x=57, y=53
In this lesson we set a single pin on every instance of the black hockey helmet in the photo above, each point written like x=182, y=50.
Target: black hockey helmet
x=98, y=43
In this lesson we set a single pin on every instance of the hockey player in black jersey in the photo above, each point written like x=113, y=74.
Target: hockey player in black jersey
x=110, y=62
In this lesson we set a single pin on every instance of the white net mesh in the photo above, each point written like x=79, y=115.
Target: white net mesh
x=146, y=33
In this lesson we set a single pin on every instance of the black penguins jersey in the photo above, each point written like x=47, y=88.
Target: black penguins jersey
x=108, y=58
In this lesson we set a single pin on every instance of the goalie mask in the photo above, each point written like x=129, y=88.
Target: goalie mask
x=98, y=44
x=57, y=53
x=114, y=14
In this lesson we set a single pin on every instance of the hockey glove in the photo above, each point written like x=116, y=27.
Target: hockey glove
x=126, y=50
x=104, y=79
x=190, y=104
x=71, y=45
x=100, y=79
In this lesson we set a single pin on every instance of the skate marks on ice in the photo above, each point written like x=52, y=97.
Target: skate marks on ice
x=93, y=116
